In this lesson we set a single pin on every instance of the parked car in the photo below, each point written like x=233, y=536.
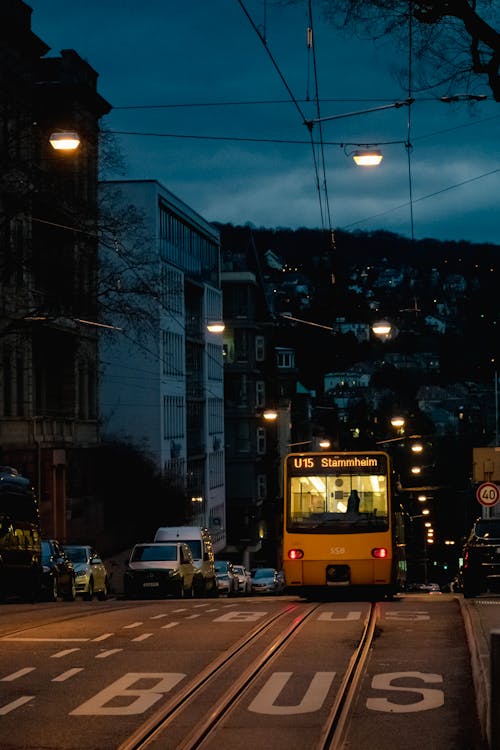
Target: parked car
x=227, y=581
x=266, y=581
x=424, y=588
x=91, y=573
x=481, y=556
x=58, y=573
x=162, y=569
x=244, y=579
x=200, y=543
x=281, y=581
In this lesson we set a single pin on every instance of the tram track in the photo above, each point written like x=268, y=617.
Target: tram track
x=257, y=673
x=150, y=732
x=336, y=726
x=149, y=735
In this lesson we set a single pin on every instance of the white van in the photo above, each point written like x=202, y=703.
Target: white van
x=200, y=543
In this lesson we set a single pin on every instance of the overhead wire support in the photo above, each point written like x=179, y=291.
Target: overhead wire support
x=394, y=105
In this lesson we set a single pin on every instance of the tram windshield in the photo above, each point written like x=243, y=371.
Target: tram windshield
x=340, y=503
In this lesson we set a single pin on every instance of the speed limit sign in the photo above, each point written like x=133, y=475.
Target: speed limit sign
x=488, y=494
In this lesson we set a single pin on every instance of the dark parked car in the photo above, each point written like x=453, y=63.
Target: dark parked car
x=58, y=573
x=481, y=555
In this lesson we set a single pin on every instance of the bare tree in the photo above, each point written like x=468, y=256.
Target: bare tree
x=454, y=42
x=124, y=284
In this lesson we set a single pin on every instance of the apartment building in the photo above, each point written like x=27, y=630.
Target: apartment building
x=162, y=379
x=48, y=259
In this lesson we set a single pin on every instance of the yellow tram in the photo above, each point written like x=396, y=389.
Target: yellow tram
x=343, y=527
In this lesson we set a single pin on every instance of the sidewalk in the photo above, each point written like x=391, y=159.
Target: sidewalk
x=481, y=617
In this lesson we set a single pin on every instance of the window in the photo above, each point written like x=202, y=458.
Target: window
x=285, y=358
x=261, y=486
x=241, y=345
x=260, y=393
x=261, y=440
x=260, y=350
x=242, y=437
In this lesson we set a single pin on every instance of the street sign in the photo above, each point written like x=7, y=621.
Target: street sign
x=488, y=494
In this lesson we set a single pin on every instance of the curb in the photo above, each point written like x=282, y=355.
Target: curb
x=480, y=663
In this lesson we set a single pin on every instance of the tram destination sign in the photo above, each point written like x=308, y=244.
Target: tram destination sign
x=369, y=462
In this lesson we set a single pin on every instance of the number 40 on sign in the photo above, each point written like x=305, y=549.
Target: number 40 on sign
x=488, y=494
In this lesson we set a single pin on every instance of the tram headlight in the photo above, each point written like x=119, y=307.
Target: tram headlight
x=379, y=552
x=295, y=554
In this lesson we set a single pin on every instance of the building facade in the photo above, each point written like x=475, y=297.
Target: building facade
x=162, y=379
x=48, y=262
x=259, y=383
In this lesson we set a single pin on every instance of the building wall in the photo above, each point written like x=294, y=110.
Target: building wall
x=48, y=356
x=161, y=385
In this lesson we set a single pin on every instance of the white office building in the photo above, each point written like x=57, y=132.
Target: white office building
x=162, y=380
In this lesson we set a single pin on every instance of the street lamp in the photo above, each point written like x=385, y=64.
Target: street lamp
x=216, y=326
x=382, y=328
x=367, y=157
x=270, y=415
x=64, y=140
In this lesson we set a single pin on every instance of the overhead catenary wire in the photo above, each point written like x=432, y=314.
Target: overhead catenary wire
x=318, y=111
x=408, y=138
x=304, y=119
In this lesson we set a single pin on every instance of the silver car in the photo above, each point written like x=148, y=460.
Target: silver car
x=227, y=582
x=91, y=575
x=244, y=579
x=266, y=581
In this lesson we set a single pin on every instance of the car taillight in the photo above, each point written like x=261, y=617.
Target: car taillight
x=295, y=554
x=379, y=552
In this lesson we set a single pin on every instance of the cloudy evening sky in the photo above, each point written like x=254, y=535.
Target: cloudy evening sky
x=204, y=107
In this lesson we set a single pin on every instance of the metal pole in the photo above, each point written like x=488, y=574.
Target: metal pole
x=494, y=718
x=496, y=407
x=425, y=560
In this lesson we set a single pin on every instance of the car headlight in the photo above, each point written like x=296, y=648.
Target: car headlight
x=81, y=574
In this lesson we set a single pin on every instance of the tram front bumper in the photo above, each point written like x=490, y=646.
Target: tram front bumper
x=338, y=575
x=332, y=574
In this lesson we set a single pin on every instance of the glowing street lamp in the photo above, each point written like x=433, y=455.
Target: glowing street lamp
x=216, y=326
x=64, y=140
x=367, y=157
x=382, y=328
x=270, y=415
